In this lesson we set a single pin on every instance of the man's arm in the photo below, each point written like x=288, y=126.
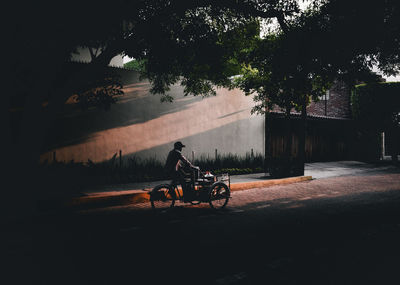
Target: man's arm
x=186, y=161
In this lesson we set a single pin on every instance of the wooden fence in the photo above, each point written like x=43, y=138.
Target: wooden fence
x=326, y=139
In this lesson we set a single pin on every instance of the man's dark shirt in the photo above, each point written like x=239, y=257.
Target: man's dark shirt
x=175, y=162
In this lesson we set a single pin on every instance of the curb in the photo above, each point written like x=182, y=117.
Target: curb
x=268, y=183
x=119, y=198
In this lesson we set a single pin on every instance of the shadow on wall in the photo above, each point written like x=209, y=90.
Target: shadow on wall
x=224, y=139
x=140, y=124
x=136, y=106
x=233, y=138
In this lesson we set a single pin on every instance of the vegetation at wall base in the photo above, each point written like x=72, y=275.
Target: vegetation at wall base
x=230, y=161
x=73, y=177
x=238, y=171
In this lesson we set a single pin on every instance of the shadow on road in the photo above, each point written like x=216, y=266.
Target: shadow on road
x=347, y=239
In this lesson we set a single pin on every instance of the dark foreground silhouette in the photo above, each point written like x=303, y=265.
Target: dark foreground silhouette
x=351, y=239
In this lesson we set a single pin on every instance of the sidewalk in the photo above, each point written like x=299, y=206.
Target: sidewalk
x=122, y=194
x=316, y=170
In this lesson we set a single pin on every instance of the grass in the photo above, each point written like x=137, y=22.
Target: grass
x=232, y=163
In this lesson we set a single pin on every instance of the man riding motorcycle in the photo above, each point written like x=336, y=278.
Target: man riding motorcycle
x=176, y=167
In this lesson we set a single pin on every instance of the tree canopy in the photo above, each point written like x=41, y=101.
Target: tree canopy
x=279, y=71
x=377, y=105
x=351, y=36
x=332, y=39
x=175, y=37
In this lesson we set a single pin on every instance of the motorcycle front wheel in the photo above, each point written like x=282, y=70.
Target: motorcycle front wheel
x=219, y=196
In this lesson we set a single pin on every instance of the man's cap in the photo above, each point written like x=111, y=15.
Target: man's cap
x=178, y=144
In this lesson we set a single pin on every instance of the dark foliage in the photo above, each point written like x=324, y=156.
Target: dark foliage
x=376, y=107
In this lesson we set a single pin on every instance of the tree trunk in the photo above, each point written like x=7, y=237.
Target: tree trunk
x=288, y=134
x=302, y=139
x=267, y=142
x=286, y=158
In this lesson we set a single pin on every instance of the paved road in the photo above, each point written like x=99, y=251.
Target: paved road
x=337, y=230
x=344, y=168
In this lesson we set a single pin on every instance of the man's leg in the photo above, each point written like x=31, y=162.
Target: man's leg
x=187, y=193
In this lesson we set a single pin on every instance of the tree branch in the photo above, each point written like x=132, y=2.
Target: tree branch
x=92, y=54
x=282, y=23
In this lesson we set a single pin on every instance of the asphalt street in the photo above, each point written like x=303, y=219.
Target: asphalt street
x=342, y=229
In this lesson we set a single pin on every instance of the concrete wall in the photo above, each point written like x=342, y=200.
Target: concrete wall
x=140, y=125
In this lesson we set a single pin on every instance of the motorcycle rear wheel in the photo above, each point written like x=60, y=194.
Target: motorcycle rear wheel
x=162, y=197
